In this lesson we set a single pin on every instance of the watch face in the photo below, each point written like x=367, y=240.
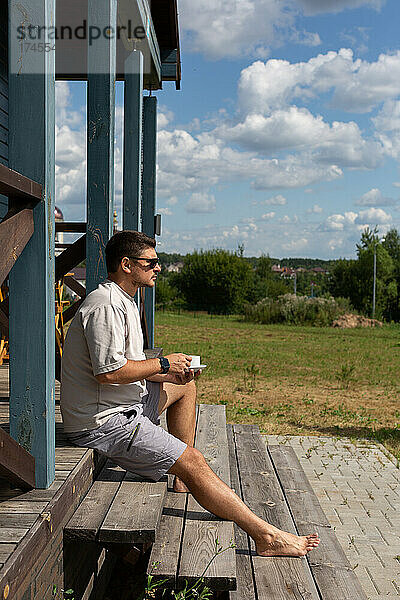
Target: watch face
x=164, y=364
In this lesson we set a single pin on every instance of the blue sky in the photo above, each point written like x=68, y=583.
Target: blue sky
x=285, y=136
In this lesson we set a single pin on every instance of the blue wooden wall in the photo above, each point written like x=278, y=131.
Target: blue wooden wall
x=3, y=96
x=32, y=326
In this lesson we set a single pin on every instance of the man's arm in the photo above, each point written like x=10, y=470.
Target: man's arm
x=135, y=370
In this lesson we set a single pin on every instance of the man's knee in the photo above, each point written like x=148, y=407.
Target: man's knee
x=189, y=463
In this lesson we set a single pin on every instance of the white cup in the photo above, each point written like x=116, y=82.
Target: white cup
x=195, y=360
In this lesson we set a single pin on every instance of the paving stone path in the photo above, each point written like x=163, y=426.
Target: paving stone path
x=358, y=487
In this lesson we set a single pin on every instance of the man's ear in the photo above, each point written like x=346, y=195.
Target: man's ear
x=126, y=265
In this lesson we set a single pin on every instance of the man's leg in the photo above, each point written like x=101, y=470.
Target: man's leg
x=215, y=496
x=180, y=403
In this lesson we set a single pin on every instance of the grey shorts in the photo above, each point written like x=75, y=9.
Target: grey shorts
x=133, y=439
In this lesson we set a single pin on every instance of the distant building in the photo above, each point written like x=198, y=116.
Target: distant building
x=175, y=267
x=59, y=239
x=276, y=268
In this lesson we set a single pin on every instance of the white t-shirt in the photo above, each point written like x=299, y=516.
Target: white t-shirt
x=103, y=335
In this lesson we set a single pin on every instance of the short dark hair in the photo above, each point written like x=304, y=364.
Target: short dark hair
x=126, y=243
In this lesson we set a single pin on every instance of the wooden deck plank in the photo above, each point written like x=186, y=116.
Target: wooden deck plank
x=17, y=520
x=88, y=518
x=12, y=534
x=329, y=564
x=166, y=548
x=134, y=514
x=165, y=552
x=201, y=527
x=282, y=578
x=5, y=551
x=244, y=572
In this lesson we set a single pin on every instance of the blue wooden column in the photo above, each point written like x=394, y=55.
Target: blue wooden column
x=149, y=192
x=31, y=151
x=100, y=138
x=133, y=110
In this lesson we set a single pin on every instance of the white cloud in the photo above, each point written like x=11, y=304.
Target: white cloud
x=277, y=200
x=295, y=245
x=164, y=211
x=357, y=86
x=172, y=201
x=373, y=216
x=339, y=222
x=313, y=7
x=316, y=210
x=219, y=29
x=396, y=184
x=296, y=128
x=268, y=216
x=201, y=203
x=387, y=124
x=305, y=38
x=374, y=197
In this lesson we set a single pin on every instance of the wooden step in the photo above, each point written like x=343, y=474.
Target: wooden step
x=273, y=484
x=118, y=509
x=186, y=538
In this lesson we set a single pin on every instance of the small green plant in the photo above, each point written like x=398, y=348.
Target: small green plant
x=65, y=594
x=249, y=377
x=345, y=375
x=197, y=591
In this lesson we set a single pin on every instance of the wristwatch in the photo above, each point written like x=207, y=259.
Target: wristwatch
x=164, y=362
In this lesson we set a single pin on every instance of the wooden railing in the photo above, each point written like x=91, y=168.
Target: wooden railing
x=16, y=229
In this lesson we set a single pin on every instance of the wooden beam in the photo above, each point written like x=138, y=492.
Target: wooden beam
x=100, y=146
x=149, y=192
x=70, y=227
x=16, y=464
x=75, y=286
x=15, y=233
x=133, y=110
x=31, y=281
x=71, y=257
x=18, y=186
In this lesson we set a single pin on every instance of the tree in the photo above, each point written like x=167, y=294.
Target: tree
x=353, y=279
x=216, y=280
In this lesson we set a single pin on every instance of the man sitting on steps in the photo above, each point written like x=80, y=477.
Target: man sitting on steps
x=112, y=396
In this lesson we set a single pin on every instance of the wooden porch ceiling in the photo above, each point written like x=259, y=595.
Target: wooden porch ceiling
x=160, y=47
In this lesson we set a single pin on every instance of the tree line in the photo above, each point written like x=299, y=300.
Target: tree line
x=224, y=282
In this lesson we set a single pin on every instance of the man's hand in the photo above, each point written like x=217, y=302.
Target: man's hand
x=179, y=363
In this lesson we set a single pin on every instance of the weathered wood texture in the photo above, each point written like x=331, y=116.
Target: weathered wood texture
x=27, y=559
x=133, y=111
x=16, y=464
x=280, y=577
x=244, y=572
x=202, y=528
x=31, y=281
x=71, y=257
x=134, y=514
x=75, y=286
x=18, y=186
x=88, y=518
x=15, y=233
x=118, y=509
x=149, y=193
x=329, y=564
x=100, y=140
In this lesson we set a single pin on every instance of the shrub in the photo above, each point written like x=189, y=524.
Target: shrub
x=297, y=310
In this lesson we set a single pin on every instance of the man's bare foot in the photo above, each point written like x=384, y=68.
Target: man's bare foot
x=179, y=486
x=281, y=543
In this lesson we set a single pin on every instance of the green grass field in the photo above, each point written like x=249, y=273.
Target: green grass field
x=295, y=380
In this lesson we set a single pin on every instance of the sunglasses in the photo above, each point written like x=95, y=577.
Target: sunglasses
x=152, y=262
